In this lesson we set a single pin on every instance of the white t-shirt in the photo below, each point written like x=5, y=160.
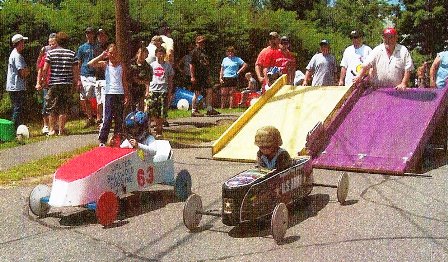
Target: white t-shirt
x=352, y=60
x=389, y=71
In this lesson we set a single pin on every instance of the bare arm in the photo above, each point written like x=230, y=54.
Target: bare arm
x=242, y=69
x=307, y=77
x=342, y=77
x=433, y=71
x=404, y=81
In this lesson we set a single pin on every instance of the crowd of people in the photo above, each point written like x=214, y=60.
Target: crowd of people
x=95, y=69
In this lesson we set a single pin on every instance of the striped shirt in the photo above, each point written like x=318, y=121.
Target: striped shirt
x=62, y=62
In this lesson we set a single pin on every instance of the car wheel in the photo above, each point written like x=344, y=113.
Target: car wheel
x=37, y=206
x=342, y=190
x=191, y=215
x=107, y=208
x=182, y=185
x=279, y=222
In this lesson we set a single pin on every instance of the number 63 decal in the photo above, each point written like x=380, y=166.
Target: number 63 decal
x=142, y=180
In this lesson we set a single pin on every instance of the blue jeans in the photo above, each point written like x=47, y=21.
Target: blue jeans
x=113, y=109
x=17, y=100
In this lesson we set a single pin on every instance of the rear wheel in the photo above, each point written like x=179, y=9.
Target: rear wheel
x=37, y=206
x=182, y=185
x=191, y=215
x=107, y=208
x=279, y=222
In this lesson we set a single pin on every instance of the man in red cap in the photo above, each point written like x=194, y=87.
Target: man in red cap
x=391, y=63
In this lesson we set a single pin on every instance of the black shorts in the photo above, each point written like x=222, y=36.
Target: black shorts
x=230, y=82
x=201, y=85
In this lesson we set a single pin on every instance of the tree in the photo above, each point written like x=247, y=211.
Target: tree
x=425, y=23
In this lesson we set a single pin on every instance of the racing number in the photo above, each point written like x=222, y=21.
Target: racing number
x=150, y=172
x=149, y=179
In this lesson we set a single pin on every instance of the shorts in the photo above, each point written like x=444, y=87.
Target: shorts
x=230, y=82
x=58, y=99
x=201, y=85
x=155, y=103
x=137, y=93
x=90, y=88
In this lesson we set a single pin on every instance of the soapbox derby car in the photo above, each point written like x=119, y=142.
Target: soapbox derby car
x=259, y=194
x=96, y=179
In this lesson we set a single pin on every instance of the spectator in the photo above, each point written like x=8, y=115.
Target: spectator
x=322, y=67
x=15, y=79
x=270, y=155
x=439, y=70
x=162, y=80
x=391, y=63
x=44, y=85
x=87, y=82
x=200, y=78
x=156, y=42
x=64, y=74
x=168, y=43
x=353, y=58
x=423, y=75
x=261, y=63
x=184, y=68
x=286, y=61
x=252, y=87
x=115, y=93
x=231, y=68
x=141, y=74
x=102, y=39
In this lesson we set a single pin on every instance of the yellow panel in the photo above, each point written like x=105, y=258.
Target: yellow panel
x=294, y=110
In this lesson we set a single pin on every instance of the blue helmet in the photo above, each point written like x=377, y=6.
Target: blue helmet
x=136, y=119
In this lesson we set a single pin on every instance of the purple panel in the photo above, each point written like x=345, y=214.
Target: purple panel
x=384, y=130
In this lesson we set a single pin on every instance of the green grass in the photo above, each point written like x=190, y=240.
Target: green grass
x=41, y=170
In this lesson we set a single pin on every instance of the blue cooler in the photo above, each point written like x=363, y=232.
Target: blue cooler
x=182, y=93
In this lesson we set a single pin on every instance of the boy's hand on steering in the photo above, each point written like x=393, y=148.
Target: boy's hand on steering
x=133, y=142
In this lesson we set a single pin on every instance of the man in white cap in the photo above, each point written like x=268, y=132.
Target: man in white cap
x=15, y=80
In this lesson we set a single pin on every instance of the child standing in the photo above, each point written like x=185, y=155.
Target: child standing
x=162, y=80
x=270, y=155
x=116, y=91
x=141, y=74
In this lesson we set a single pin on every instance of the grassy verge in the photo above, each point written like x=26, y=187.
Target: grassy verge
x=40, y=171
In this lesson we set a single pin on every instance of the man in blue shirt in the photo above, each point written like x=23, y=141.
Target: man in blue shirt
x=15, y=80
x=87, y=81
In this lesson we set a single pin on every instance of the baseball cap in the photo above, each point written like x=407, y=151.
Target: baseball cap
x=284, y=39
x=89, y=30
x=324, y=42
x=274, y=35
x=200, y=38
x=17, y=38
x=390, y=31
x=52, y=35
x=102, y=31
x=355, y=34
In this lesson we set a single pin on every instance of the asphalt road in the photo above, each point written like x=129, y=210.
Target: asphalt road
x=387, y=218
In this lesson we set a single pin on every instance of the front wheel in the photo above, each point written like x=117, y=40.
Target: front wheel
x=182, y=185
x=37, y=206
x=107, y=208
x=342, y=190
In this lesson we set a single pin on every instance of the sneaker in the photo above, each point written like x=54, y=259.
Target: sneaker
x=166, y=124
x=102, y=145
x=51, y=133
x=45, y=130
x=213, y=112
x=89, y=123
x=196, y=114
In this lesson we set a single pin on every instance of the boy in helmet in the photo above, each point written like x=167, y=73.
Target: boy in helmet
x=270, y=155
x=136, y=127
